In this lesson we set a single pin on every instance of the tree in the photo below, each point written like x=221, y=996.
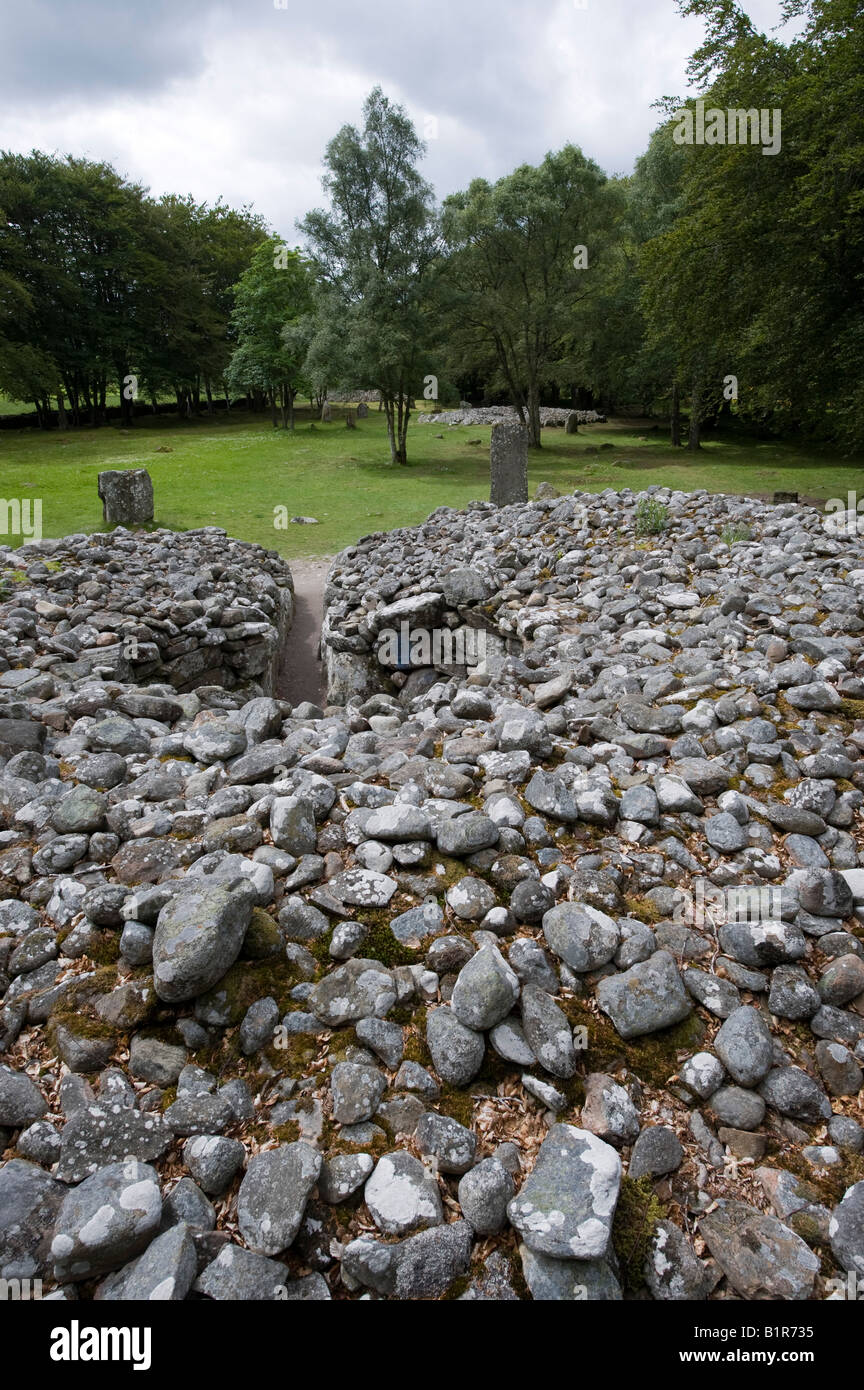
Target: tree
x=522, y=275
x=111, y=285
x=374, y=250
x=762, y=272
x=274, y=293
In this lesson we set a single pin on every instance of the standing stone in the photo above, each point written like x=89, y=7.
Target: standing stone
x=572, y=423
x=127, y=496
x=509, y=464
x=326, y=413
x=362, y=410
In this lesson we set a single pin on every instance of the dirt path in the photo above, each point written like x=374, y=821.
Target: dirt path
x=301, y=676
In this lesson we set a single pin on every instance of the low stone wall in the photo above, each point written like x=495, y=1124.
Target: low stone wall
x=186, y=608
x=500, y=414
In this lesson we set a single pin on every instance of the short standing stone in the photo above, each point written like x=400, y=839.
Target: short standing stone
x=566, y=1204
x=273, y=1196
x=127, y=496
x=509, y=465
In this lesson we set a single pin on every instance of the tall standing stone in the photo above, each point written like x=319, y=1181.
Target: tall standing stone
x=509, y=459
x=326, y=413
x=127, y=496
x=362, y=410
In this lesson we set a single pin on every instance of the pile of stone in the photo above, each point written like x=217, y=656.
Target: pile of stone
x=185, y=608
x=354, y=397
x=471, y=988
x=498, y=414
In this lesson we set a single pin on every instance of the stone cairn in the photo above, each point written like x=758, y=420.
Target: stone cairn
x=539, y=981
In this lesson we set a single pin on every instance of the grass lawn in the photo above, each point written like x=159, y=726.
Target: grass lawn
x=235, y=473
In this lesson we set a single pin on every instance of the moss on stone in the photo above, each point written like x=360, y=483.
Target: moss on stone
x=633, y=1226
x=828, y=1185
x=81, y=1025
x=248, y=981
x=642, y=909
x=459, y=1105
x=104, y=949
x=380, y=943
x=263, y=938
x=287, y=1133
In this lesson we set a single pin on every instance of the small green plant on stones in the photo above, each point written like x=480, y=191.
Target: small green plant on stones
x=734, y=532
x=651, y=517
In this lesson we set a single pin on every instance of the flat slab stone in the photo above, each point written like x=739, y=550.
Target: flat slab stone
x=760, y=1256
x=273, y=1196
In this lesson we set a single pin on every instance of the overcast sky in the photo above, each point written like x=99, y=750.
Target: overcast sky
x=239, y=98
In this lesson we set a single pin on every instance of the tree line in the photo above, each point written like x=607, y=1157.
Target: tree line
x=720, y=278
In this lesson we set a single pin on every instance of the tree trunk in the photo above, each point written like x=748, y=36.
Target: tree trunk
x=534, y=417
x=209, y=392
x=404, y=416
x=695, y=414
x=291, y=394
x=273, y=407
x=391, y=432
x=62, y=422
x=283, y=392
x=675, y=417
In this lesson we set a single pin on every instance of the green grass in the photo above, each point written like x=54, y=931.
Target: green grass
x=233, y=473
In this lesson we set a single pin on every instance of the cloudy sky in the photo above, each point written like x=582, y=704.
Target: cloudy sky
x=239, y=97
